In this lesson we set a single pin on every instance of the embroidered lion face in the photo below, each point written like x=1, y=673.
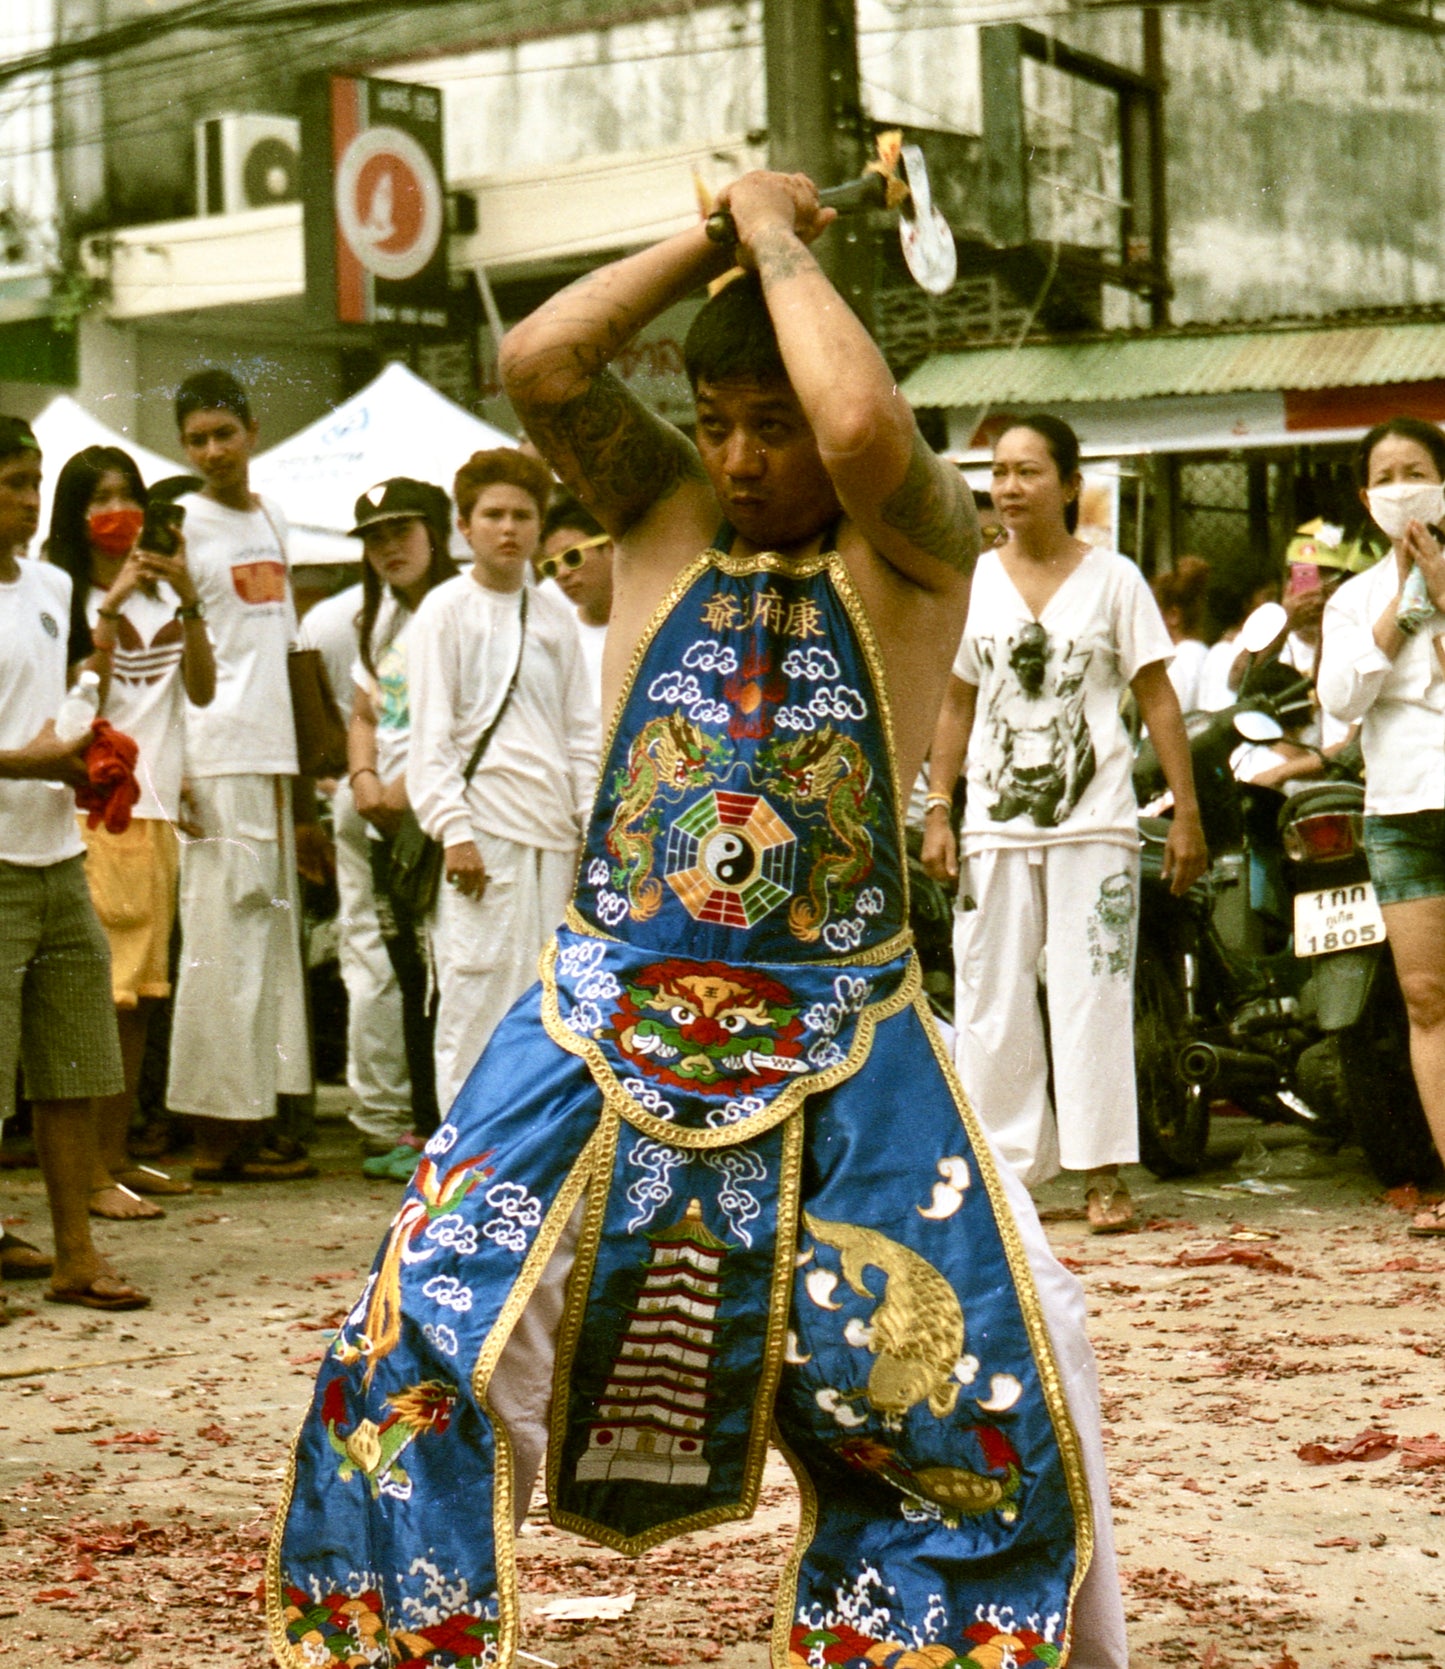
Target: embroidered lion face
x=709, y=1026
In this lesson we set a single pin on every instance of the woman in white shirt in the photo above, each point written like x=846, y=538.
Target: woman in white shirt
x=135, y=619
x=404, y=527
x=1055, y=633
x=1383, y=664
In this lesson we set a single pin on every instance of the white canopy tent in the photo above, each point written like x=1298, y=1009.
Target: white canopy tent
x=396, y=425
x=64, y=428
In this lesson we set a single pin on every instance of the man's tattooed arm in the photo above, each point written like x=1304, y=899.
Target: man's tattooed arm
x=617, y=456
x=933, y=509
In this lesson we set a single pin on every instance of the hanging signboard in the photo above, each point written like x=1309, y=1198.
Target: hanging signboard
x=372, y=182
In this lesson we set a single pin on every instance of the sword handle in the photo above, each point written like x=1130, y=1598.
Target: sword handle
x=867, y=192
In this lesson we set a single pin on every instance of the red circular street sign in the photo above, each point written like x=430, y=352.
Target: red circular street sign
x=389, y=202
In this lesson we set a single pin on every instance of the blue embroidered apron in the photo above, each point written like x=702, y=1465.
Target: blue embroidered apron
x=787, y=1227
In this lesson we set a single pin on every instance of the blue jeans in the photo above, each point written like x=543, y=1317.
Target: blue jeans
x=1407, y=855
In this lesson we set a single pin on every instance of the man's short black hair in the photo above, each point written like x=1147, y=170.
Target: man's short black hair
x=16, y=435
x=211, y=390
x=570, y=513
x=733, y=337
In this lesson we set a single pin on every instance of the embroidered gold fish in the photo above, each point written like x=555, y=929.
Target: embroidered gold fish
x=916, y=1332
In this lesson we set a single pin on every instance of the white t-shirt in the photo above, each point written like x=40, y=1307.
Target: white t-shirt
x=535, y=783
x=146, y=698
x=1186, y=672
x=37, y=819
x=390, y=703
x=1049, y=758
x=330, y=626
x=1399, y=703
x=1213, y=693
x=238, y=562
x=594, y=641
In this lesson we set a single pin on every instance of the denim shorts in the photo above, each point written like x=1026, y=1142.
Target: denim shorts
x=1407, y=855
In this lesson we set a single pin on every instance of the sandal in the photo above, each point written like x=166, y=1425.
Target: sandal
x=20, y=1261
x=105, y=1292
x=1109, y=1207
x=1430, y=1221
x=252, y=1170
x=146, y=1179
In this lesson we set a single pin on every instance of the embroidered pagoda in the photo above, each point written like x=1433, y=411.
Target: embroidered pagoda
x=652, y=1413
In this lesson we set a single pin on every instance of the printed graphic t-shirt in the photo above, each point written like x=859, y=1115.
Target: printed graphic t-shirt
x=387, y=691
x=1049, y=758
x=146, y=698
x=37, y=819
x=239, y=566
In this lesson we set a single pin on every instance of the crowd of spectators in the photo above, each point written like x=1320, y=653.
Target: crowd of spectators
x=471, y=699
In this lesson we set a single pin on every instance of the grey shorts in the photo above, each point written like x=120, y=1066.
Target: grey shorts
x=57, y=1019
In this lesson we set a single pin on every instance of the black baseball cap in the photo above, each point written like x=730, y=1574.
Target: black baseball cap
x=402, y=499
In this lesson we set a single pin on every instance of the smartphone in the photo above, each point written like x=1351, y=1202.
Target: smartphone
x=161, y=530
x=1303, y=576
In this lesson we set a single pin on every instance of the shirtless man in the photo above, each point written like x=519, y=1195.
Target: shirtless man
x=700, y=1081
x=777, y=460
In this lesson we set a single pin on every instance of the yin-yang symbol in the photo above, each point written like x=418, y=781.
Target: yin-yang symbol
x=729, y=858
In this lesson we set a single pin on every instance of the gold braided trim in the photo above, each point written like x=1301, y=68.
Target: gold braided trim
x=872, y=658
x=594, y=1156
x=785, y=1103
x=1027, y=1293
x=790, y=1186
x=786, y=1605
x=284, y=1652
x=890, y=949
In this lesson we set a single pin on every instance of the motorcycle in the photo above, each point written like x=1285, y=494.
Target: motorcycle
x=1267, y=984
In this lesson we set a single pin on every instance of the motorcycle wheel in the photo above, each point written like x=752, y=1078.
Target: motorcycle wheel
x=1373, y=1061
x=1173, y=1115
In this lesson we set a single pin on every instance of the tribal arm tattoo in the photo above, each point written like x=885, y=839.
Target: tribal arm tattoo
x=615, y=454
x=933, y=509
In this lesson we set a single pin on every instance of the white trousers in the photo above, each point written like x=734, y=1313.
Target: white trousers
x=375, y=1053
x=485, y=950
x=1072, y=907
x=238, y=1032
x=520, y=1393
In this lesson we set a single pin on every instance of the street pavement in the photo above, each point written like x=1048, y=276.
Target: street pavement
x=1271, y=1346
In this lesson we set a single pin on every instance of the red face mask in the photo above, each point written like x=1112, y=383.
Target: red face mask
x=115, y=531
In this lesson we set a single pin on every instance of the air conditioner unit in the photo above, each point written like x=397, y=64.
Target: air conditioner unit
x=247, y=162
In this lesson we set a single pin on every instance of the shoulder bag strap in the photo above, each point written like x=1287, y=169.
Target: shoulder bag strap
x=501, y=712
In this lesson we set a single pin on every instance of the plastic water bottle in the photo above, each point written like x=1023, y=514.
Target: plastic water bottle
x=78, y=710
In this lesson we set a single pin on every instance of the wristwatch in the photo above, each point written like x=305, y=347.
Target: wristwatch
x=191, y=611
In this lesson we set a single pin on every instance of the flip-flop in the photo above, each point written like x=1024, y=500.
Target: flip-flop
x=1430, y=1222
x=94, y=1297
x=146, y=1179
x=254, y=1170
x=154, y=1215
x=20, y=1261
x=1110, y=1209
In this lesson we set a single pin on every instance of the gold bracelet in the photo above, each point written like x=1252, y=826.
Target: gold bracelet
x=932, y=800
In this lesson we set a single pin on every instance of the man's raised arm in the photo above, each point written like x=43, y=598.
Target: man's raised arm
x=913, y=507
x=618, y=457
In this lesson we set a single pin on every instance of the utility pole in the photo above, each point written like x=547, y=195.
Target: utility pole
x=816, y=125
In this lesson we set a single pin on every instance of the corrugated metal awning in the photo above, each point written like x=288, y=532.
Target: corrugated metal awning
x=1150, y=367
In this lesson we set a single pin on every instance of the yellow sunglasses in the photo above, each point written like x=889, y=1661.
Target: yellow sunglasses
x=548, y=567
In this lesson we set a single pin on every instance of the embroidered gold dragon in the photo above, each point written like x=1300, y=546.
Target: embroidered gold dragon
x=827, y=768
x=670, y=756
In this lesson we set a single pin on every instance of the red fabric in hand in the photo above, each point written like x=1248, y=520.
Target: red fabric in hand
x=110, y=795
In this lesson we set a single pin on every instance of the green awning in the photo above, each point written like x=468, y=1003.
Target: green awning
x=1151, y=367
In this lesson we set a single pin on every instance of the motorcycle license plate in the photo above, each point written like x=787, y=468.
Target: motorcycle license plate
x=1337, y=918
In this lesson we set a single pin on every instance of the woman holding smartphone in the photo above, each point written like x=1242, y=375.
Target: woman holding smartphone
x=136, y=621
x=1383, y=664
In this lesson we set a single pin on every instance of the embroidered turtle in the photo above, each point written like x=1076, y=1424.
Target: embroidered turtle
x=671, y=756
x=375, y=1450
x=828, y=768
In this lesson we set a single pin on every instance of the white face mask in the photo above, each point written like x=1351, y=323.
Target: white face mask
x=1402, y=502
